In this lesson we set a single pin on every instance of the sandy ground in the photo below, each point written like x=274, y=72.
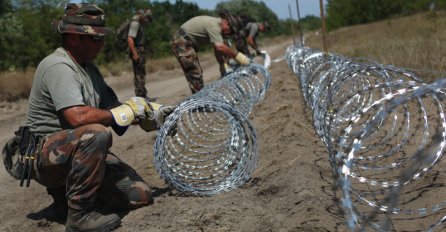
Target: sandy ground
x=290, y=189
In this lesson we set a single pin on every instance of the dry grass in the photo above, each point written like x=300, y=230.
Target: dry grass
x=167, y=63
x=15, y=85
x=415, y=42
x=117, y=68
x=274, y=40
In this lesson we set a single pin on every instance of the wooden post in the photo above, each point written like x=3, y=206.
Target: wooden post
x=300, y=25
x=292, y=26
x=324, y=31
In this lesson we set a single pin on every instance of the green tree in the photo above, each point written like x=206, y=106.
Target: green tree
x=27, y=36
x=10, y=40
x=167, y=17
x=351, y=12
x=310, y=23
x=26, y=33
x=5, y=7
x=255, y=9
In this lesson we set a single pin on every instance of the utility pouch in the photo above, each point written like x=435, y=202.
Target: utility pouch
x=22, y=135
x=19, y=154
x=11, y=155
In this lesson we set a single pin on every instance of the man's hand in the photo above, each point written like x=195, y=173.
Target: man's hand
x=242, y=59
x=225, y=68
x=131, y=109
x=153, y=120
x=135, y=57
x=258, y=53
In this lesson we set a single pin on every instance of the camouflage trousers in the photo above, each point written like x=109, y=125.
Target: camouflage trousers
x=80, y=160
x=184, y=50
x=139, y=72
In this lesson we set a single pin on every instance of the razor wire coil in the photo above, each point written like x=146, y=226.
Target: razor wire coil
x=208, y=145
x=385, y=131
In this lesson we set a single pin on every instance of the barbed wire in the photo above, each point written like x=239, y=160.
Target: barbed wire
x=208, y=145
x=385, y=131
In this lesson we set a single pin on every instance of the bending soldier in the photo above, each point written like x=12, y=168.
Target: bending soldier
x=248, y=36
x=201, y=31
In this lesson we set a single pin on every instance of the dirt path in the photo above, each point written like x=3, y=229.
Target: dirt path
x=290, y=189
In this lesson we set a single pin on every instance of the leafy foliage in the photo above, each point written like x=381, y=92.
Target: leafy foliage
x=350, y=12
x=27, y=37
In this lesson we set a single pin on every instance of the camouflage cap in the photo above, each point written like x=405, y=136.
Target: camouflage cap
x=82, y=18
x=235, y=22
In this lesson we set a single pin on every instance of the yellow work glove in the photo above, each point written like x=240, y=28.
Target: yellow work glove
x=153, y=120
x=242, y=59
x=131, y=109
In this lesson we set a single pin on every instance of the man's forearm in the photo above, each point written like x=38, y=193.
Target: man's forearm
x=78, y=116
x=252, y=43
x=132, y=48
x=221, y=49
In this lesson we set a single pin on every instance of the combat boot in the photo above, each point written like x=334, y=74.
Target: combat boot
x=60, y=204
x=92, y=221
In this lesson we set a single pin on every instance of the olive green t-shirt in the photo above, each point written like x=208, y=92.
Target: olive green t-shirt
x=58, y=83
x=203, y=30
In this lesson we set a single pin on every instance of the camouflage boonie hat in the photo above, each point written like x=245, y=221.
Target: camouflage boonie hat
x=82, y=18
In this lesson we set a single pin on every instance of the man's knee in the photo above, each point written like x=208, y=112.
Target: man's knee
x=124, y=189
x=139, y=194
x=98, y=134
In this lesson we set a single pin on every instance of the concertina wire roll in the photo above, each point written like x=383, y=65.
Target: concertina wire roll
x=208, y=145
x=385, y=131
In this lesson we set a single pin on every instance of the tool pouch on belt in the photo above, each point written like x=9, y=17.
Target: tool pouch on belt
x=19, y=154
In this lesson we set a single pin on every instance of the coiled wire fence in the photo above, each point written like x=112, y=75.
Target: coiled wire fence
x=208, y=145
x=385, y=132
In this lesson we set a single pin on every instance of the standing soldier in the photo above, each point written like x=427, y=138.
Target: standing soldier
x=65, y=143
x=200, y=31
x=136, y=40
x=249, y=35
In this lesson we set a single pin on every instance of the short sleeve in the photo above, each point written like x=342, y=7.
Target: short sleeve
x=214, y=34
x=133, y=29
x=63, y=86
x=254, y=30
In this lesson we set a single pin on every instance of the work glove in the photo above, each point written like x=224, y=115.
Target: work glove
x=154, y=119
x=225, y=68
x=242, y=59
x=124, y=114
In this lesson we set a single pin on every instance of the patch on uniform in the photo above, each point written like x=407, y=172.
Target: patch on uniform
x=12, y=159
x=86, y=136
